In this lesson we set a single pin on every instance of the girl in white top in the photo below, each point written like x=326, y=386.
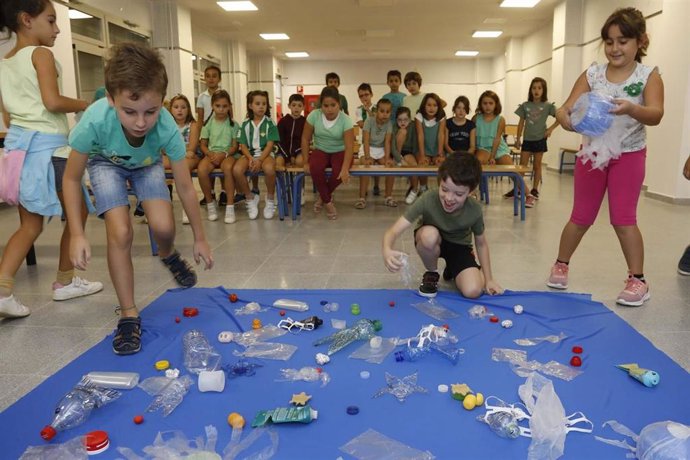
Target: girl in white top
x=34, y=110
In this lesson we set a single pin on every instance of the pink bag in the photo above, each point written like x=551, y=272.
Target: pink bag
x=11, y=163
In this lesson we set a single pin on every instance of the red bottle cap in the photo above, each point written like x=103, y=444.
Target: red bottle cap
x=577, y=349
x=576, y=361
x=232, y=297
x=138, y=419
x=282, y=312
x=48, y=433
x=190, y=311
x=391, y=304
x=177, y=319
x=96, y=442
x=493, y=319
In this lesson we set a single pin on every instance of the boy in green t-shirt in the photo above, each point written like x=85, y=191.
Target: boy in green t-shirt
x=121, y=139
x=449, y=219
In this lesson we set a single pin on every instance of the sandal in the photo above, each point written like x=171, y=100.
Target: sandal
x=318, y=205
x=361, y=203
x=184, y=274
x=390, y=202
x=127, y=341
x=331, y=212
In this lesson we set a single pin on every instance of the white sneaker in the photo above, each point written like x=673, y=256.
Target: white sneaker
x=269, y=209
x=79, y=287
x=409, y=199
x=185, y=219
x=212, y=211
x=10, y=307
x=253, y=207
x=230, y=214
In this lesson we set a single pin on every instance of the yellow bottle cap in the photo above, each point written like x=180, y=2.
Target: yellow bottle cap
x=162, y=365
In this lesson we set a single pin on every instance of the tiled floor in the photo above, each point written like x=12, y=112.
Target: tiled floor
x=316, y=253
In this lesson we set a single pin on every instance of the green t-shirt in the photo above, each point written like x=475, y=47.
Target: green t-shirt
x=220, y=134
x=99, y=132
x=377, y=133
x=413, y=103
x=328, y=136
x=535, y=115
x=256, y=137
x=456, y=227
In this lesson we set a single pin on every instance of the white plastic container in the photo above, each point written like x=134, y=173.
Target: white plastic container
x=116, y=380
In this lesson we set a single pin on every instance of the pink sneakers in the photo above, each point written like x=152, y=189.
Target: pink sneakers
x=559, y=276
x=636, y=293
x=529, y=201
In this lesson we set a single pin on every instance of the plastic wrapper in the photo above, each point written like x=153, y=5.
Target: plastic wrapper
x=375, y=355
x=232, y=450
x=199, y=355
x=306, y=374
x=268, y=350
x=251, y=308
x=116, y=380
x=407, y=273
x=401, y=388
x=174, y=445
x=523, y=368
x=530, y=342
x=258, y=335
x=73, y=449
x=657, y=441
x=548, y=424
x=372, y=445
x=444, y=348
x=168, y=393
x=479, y=312
x=434, y=309
x=364, y=329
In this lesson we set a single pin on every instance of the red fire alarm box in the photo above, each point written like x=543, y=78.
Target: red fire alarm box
x=311, y=102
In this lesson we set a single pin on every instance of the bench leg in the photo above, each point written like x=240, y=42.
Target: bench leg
x=280, y=194
x=296, y=194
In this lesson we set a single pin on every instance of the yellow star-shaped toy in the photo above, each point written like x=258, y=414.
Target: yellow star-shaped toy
x=459, y=391
x=300, y=399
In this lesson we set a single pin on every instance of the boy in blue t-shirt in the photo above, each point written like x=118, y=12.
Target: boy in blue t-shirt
x=394, y=80
x=120, y=140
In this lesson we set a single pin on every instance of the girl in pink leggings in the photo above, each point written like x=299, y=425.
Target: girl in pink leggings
x=638, y=94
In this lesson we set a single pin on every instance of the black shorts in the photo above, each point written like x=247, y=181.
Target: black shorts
x=458, y=257
x=535, y=146
x=59, y=165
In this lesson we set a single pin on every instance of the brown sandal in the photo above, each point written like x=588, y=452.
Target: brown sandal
x=361, y=203
x=318, y=205
x=331, y=212
x=390, y=202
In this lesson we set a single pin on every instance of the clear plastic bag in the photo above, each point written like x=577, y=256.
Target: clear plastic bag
x=435, y=310
x=372, y=445
x=479, y=312
x=174, y=445
x=375, y=355
x=268, y=350
x=168, y=393
x=657, y=441
x=307, y=374
x=406, y=271
x=232, y=450
x=199, y=355
x=73, y=449
x=530, y=342
x=251, y=308
x=523, y=368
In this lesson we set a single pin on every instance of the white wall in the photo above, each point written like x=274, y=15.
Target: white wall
x=136, y=11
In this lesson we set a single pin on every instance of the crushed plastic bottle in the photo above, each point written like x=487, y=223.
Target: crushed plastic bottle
x=364, y=329
x=76, y=406
x=199, y=355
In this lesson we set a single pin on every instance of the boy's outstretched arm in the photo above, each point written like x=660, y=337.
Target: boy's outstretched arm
x=490, y=286
x=391, y=257
x=187, y=194
x=79, y=248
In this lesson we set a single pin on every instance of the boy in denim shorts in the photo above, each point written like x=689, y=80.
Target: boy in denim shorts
x=119, y=140
x=448, y=219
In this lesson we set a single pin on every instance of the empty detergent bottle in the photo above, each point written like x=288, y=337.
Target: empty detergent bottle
x=76, y=406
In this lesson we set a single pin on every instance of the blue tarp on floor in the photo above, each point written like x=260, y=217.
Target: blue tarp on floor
x=429, y=422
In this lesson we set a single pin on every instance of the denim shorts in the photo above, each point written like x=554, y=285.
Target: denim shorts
x=59, y=165
x=109, y=183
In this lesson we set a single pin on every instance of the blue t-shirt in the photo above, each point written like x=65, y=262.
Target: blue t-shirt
x=99, y=132
x=396, y=100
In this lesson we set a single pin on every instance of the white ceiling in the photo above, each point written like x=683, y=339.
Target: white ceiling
x=371, y=29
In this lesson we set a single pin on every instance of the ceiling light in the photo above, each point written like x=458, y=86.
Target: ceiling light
x=466, y=53
x=296, y=54
x=486, y=33
x=519, y=3
x=274, y=36
x=237, y=6
x=76, y=14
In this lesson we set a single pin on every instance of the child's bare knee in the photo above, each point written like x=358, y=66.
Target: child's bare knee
x=471, y=292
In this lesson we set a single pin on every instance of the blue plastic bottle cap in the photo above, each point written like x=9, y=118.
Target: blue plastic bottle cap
x=324, y=302
x=352, y=410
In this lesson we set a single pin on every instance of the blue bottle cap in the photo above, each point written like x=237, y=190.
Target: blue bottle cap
x=352, y=410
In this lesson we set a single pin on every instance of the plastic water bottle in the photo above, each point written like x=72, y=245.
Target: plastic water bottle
x=199, y=355
x=76, y=406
